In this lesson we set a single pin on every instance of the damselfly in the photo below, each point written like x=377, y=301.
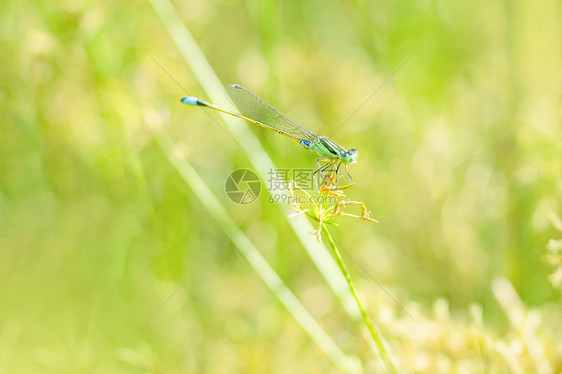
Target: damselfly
x=255, y=110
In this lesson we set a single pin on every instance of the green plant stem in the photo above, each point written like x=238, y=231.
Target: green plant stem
x=375, y=334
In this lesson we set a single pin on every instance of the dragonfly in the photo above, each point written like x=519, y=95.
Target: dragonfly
x=255, y=110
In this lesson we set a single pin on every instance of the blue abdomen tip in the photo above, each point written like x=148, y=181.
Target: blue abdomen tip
x=189, y=100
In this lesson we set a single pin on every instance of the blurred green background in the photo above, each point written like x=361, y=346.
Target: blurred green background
x=460, y=160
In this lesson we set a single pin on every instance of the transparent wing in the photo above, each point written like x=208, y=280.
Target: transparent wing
x=253, y=107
